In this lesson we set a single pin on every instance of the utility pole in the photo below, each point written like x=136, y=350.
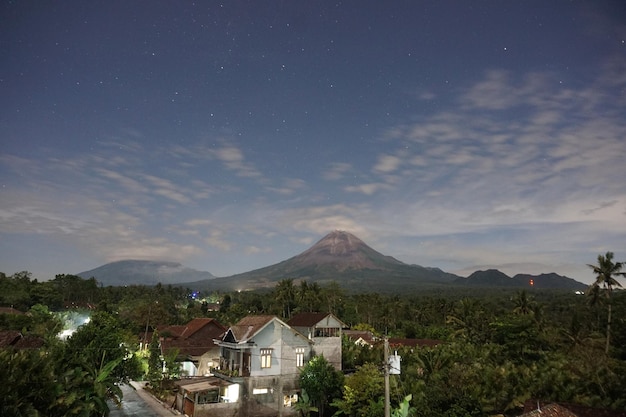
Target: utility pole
x=386, y=365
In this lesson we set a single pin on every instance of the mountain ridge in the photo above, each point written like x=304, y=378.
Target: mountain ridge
x=143, y=272
x=496, y=278
x=339, y=256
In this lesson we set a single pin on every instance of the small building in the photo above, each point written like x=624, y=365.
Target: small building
x=207, y=396
x=361, y=337
x=397, y=342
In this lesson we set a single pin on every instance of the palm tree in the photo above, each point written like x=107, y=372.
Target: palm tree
x=285, y=294
x=523, y=303
x=605, y=271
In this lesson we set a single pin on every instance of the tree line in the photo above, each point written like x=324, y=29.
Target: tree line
x=498, y=347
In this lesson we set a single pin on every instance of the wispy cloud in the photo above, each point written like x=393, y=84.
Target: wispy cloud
x=336, y=171
x=233, y=158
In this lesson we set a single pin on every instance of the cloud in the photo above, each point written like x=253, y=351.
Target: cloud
x=387, y=163
x=519, y=165
x=289, y=187
x=233, y=158
x=336, y=171
x=320, y=220
x=166, y=188
x=367, y=189
x=216, y=239
x=255, y=250
x=153, y=249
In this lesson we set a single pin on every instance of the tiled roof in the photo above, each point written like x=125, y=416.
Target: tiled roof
x=13, y=338
x=172, y=331
x=186, y=348
x=29, y=342
x=355, y=335
x=9, y=337
x=534, y=408
x=179, y=337
x=9, y=310
x=306, y=319
x=196, y=324
x=249, y=326
x=551, y=410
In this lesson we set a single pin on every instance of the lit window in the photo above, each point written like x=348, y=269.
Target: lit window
x=266, y=358
x=290, y=400
x=300, y=357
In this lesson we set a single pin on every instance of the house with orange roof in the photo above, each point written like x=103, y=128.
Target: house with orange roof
x=195, y=342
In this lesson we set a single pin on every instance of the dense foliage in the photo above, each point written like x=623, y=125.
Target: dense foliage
x=497, y=348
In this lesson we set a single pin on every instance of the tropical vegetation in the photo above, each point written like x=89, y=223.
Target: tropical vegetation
x=495, y=350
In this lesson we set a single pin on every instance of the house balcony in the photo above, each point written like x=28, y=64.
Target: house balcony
x=232, y=370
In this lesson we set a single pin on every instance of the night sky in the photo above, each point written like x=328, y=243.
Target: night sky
x=231, y=136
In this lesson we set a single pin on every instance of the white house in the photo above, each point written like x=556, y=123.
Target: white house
x=260, y=361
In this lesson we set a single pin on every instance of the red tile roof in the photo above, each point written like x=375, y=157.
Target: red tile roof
x=182, y=337
x=9, y=310
x=534, y=408
x=306, y=319
x=9, y=337
x=551, y=410
x=15, y=339
x=198, y=323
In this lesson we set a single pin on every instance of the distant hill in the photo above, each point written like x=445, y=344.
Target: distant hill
x=136, y=272
x=488, y=278
x=551, y=280
x=495, y=278
x=339, y=256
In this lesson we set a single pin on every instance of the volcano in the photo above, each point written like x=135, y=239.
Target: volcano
x=341, y=257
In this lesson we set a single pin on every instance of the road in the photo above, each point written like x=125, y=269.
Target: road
x=139, y=403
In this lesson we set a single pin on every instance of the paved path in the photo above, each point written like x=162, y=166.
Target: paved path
x=139, y=403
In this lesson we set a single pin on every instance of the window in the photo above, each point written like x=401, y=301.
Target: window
x=300, y=357
x=208, y=397
x=266, y=358
x=290, y=400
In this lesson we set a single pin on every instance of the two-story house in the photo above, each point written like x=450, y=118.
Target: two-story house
x=260, y=361
x=325, y=330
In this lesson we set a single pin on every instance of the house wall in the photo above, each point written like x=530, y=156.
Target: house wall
x=188, y=368
x=330, y=321
x=330, y=348
x=209, y=360
x=270, y=400
x=217, y=410
x=283, y=341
